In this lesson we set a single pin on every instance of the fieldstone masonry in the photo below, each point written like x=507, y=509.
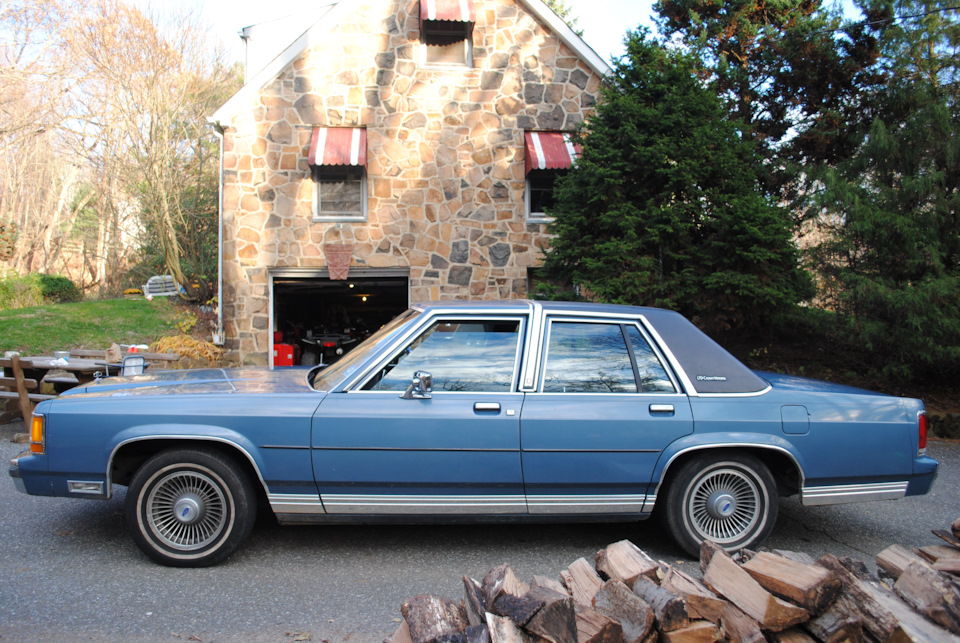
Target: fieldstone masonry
x=445, y=158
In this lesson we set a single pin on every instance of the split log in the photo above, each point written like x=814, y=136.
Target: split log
x=948, y=566
x=430, y=618
x=582, y=580
x=519, y=608
x=884, y=616
x=794, y=635
x=700, y=601
x=402, y=635
x=955, y=528
x=503, y=630
x=669, y=608
x=625, y=562
x=936, y=553
x=947, y=537
x=729, y=580
x=556, y=621
x=812, y=588
x=737, y=626
x=693, y=632
x=474, y=603
x=798, y=556
x=477, y=634
x=615, y=601
x=501, y=580
x=836, y=625
x=894, y=559
x=594, y=627
x=550, y=583
x=932, y=594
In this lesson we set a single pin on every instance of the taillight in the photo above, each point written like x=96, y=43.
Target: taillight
x=329, y=344
x=36, y=434
x=922, y=432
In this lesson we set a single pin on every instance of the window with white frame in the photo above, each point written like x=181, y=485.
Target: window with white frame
x=339, y=192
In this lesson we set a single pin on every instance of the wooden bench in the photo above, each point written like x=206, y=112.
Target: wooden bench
x=162, y=360
x=24, y=389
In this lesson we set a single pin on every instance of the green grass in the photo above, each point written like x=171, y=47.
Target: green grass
x=89, y=324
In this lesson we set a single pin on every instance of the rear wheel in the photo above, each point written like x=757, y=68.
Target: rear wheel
x=729, y=499
x=190, y=507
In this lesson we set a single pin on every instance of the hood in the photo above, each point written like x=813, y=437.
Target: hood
x=206, y=380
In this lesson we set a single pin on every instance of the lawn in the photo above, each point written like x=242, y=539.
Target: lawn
x=89, y=324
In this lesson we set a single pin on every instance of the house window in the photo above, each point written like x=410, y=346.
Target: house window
x=547, y=156
x=446, y=30
x=539, y=195
x=447, y=42
x=339, y=192
x=337, y=159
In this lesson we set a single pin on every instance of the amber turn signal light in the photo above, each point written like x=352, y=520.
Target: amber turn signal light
x=36, y=434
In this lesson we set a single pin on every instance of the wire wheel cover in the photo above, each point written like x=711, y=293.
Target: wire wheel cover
x=187, y=510
x=724, y=505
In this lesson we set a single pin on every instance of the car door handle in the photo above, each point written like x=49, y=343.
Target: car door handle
x=662, y=408
x=487, y=406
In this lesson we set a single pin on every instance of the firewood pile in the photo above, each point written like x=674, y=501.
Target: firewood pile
x=777, y=596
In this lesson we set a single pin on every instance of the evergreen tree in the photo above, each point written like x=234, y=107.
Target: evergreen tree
x=891, y=259
x=663, y=206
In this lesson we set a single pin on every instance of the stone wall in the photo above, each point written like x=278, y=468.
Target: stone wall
x=445, y=158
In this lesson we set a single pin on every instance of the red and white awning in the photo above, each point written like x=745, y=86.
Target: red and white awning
x=549, y=150
x=338, y=146
x=455, y=10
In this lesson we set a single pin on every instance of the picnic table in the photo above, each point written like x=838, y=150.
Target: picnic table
x=23, y=374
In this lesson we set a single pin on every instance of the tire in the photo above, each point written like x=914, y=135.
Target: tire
x=190, y=507
x=730, y=499
x=309, y=358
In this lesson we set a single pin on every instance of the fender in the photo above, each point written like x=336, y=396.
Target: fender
x=184, y=432
x=728, y=441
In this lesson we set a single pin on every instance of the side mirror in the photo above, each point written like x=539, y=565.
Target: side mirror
x=421, y=386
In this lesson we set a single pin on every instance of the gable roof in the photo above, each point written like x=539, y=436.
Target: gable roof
x=335, y=15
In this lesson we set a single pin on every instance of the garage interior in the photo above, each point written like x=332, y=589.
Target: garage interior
x=321, y=319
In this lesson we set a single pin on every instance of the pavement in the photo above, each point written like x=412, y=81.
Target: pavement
x=72, y=572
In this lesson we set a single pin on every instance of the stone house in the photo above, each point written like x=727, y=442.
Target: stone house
x=396, y=151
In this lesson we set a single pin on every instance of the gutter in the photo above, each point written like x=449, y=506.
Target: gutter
x=218, y=336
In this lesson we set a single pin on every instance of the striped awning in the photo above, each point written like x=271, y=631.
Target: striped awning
x=549, y=150
x=455, y=10
x=338, y=146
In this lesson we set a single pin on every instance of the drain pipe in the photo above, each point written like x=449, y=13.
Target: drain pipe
x=218, y=337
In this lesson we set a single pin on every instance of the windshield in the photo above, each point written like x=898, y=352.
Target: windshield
x=345, y=367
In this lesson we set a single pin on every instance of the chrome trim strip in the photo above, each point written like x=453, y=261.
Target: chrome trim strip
x=285, y=446
x=194, y=438
x=590, y=450
x=423, y=504
x=649, y=503
x=844, y=493
x=585, y=504
x=416, y=449
x=730, y=445
x=296, y=503
x=78, y=486
x=531, y=366
x=685, y=381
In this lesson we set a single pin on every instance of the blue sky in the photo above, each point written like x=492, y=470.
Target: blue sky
x=604, y=22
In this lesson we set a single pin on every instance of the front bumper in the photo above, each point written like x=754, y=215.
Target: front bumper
x=15, y=472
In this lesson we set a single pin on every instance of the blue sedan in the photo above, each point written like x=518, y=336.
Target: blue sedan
x=516, y=410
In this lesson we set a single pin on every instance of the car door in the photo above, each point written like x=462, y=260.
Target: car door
x=387, y=447
x=604, y=409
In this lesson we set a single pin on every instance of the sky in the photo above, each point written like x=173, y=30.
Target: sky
x=604, y=22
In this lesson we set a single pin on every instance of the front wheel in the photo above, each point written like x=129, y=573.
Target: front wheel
x=190, y=507
x=729, y=499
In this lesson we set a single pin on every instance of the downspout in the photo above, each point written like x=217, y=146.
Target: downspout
x=218, y=338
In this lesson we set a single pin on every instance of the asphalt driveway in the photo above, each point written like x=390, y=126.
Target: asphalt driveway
x=71, y=571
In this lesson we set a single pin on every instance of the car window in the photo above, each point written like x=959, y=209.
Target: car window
x=462, y=355
x=653, y=376
x=587, y=358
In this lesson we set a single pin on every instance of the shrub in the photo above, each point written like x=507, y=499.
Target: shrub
x=59, y=289
x=18, y=291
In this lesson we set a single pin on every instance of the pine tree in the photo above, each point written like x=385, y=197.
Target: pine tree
x=663, y=206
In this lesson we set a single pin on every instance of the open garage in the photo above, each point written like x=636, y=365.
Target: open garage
x=316, y=319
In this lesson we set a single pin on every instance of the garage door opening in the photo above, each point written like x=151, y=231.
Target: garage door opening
x=317, y=320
